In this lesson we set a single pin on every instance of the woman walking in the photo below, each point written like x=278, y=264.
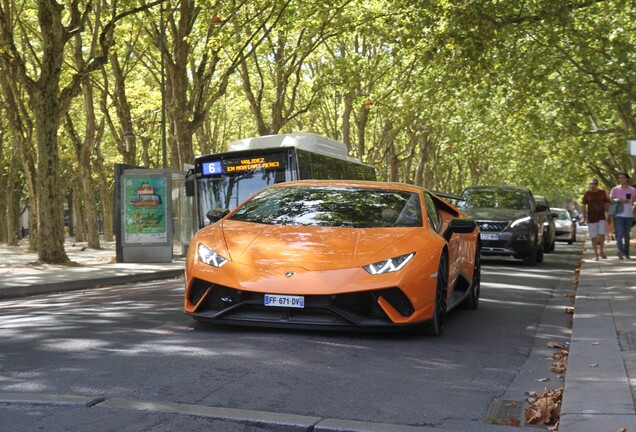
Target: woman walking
x=626, y=194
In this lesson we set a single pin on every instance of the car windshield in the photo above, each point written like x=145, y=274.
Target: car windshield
x=333, y=207
x=495, y=198
x=562, y=214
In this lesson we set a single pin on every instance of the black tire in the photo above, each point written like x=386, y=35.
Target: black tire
x=472, y=301
x=436, y=326
x=533, y=258
x=550, y=246
x=540, y=255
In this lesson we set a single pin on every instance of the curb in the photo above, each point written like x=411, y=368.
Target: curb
x=13, y=292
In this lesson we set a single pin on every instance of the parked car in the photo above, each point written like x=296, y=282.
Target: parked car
x=549, y=226
x=565, y=225
x=509, y=219
x=335, y=254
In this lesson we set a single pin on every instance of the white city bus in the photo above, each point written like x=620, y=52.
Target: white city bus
x=224, y=180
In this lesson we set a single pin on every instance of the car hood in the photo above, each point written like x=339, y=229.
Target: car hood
x=496, y=214
x=311, y=248
x=567, y=224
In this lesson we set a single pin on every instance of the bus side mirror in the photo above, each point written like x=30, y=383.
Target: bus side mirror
x=189, y=183
x=189, y=187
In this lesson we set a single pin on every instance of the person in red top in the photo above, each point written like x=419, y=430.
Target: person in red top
x=595, y=204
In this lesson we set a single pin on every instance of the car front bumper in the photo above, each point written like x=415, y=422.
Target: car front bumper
x=505, y=244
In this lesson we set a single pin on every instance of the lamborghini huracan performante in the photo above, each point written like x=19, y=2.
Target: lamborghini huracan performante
x=335, y=254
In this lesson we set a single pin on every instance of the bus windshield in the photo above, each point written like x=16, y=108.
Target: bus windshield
x=224, y=180
x=227, y=182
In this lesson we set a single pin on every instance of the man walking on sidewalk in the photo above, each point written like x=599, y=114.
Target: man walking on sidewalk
x=595, y=204
x=626, y=194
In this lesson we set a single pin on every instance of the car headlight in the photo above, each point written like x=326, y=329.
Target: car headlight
x=210, y=257
x=389, y=265
x=520, y=221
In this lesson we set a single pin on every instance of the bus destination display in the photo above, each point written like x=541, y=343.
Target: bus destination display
x=231, y=166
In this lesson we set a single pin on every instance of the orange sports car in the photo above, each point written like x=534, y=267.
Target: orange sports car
x=336, y=254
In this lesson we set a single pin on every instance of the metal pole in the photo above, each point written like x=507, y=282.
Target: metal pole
x=162, y=47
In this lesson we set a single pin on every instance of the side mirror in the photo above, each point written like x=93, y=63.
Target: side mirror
x=462, y=225
x=216, y=214
x=189, y=187
x=189, y=183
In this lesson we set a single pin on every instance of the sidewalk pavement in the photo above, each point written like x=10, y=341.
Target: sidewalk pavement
x=601, y=371
x=21, y=275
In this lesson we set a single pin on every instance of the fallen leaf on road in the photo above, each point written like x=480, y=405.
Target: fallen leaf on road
x=513, y=421
x=569, y=309
x=555, y=345
x=512, y=404
x=542, y=379
x=558, y=368
x=545, y=408
x=594, y=365
x=560, y=361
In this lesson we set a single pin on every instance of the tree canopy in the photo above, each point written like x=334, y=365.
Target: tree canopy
x=433, y=92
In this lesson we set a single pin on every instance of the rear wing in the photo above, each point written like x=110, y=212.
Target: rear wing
x=453, y=199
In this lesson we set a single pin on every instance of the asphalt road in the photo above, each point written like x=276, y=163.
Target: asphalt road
x=132, y=343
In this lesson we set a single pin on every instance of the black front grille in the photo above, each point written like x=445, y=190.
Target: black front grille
x=198, y=290
x=398, y=300
x=492, y=226
x=361, y=307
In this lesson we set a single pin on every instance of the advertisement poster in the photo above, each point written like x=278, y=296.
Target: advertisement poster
x=145, y=210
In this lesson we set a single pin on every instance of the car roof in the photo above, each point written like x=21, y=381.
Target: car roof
x=510, y=188
x=517, y=188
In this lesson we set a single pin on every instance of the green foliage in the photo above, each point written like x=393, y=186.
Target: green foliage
x=537, y=93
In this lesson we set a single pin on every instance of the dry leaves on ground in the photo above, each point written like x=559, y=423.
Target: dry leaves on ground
x=513, y=421
x=560, y=361
x=544, y=408
x=553, y=344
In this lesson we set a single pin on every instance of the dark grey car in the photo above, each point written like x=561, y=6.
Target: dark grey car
x=549, y=224
x=510, y=221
